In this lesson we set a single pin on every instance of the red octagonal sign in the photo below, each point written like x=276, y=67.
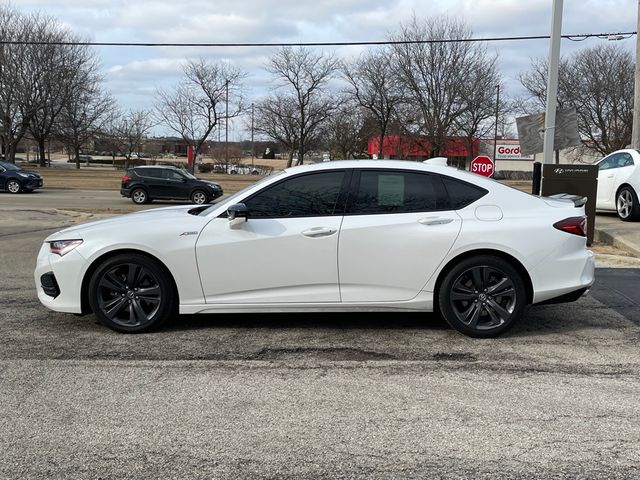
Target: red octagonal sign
x=482, y=165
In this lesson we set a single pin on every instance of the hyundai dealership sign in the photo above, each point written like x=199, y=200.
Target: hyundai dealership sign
x=510, y=152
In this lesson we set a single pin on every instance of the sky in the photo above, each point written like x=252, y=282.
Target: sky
x=133, y=74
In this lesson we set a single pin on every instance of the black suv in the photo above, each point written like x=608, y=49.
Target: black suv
x=144, y=184
x=14, y=179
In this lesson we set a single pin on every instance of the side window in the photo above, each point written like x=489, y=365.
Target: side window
x=172, y=175
x=397, y=192
x=312, y=195
x=608, y=163
x=461, y=193
x=149, y=172
x=625, y=160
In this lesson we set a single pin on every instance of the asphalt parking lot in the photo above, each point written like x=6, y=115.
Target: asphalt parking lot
x=315, y=396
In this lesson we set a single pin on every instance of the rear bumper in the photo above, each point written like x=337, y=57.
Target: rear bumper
x=564, y=276
x=566, y=298
x=125, y=192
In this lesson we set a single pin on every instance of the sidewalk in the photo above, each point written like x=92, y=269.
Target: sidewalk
x=613, y=231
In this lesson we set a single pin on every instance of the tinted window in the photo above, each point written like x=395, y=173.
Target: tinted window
x=172, y=175
x=397, y=192
x=461, y=193
x=626, y=160
x=303, y=196
x=150, y=172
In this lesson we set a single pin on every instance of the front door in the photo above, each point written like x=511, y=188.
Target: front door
x=286, y=252
x=395, y=234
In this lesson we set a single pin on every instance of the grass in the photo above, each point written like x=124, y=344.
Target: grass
x=99, y=179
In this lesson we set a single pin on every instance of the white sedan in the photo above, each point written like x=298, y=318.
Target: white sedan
x=336, y=236
x=619, y=184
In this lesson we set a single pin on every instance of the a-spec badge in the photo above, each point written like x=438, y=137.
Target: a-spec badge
x=184, y=234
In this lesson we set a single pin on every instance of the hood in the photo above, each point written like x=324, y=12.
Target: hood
x=165, y=214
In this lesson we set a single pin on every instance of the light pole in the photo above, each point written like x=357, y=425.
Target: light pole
x=495, y=132
x=552, y=82
x=635, y=130
x=226, y=127
x=253, y=150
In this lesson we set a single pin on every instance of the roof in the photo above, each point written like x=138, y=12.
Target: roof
x=394, y=164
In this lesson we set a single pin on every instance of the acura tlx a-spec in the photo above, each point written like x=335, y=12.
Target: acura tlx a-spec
x=338, y=236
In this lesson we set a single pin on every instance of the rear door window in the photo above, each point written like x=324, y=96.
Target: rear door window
x=461, y=193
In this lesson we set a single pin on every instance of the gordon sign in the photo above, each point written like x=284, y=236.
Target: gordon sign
x=510, y=152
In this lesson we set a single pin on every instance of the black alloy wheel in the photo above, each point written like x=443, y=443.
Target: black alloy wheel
x=139, y=196
x=132, y=293
x=482, y=296
x=13, y=186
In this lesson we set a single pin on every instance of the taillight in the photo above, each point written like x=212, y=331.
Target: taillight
x=574, y=225
x=126, y=178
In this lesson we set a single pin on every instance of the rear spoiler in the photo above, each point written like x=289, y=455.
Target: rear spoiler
x=577, y=200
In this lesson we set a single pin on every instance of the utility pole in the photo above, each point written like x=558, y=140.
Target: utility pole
x=495, y=132
x=253, y=150
x=552, y=82
x=635, y=131
x=226, y=127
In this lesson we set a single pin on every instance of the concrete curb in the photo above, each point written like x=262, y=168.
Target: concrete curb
x=616, y=239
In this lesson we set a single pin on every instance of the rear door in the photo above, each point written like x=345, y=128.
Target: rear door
x=397, y=230
x=152, y=179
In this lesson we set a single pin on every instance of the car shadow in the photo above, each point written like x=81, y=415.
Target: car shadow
x=330, y=320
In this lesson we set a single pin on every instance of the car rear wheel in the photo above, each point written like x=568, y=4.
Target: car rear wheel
x=131, y=294
x=13, y=186
x=627, y=205
x=482, y=296
x=139, y=196
x=199, y=197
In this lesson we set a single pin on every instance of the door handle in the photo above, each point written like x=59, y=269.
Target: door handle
x=317, y=232
x=610, y=175
x=435, y=221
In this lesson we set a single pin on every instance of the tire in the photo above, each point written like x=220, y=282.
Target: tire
x=132, y=294
x=139, y=196
x=482, y=296
x=199, y=197
x=13, y=186
x=627, y=205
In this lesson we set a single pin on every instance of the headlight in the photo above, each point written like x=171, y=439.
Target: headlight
x=62, y=247
x=25, y=175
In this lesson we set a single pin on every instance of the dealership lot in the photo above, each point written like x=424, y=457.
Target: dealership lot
x=301, y=396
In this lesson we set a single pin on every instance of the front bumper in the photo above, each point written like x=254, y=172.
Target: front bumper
x=32, y=183
x=68, y=272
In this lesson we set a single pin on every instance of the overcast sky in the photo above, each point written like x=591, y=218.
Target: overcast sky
x=133, y=74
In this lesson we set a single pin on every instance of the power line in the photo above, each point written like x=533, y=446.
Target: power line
x=574, y=38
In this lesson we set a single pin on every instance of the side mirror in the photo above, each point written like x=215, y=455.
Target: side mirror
x=237, y=211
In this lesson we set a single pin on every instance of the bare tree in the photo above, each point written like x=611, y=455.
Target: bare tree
x=83, y=117
x=72, y=68
x=477, y=117
x=346, y=132
x=374, y=85
x=127, y=131
x=276, y=117
x=598, y=81
x=434, y=73
x=306, y=75
x=196, y=105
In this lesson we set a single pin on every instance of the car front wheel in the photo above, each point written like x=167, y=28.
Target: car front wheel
x=199, y=197
x=482, y=296
x=13, y=186
x=131, y=294
x=627, y=205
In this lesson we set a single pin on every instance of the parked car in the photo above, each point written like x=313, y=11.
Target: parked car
x=243, y=170
x=146, y=183
x=619, y=184
x=335, y=236
x=14, y=179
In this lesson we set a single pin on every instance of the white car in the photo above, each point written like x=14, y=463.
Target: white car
x=337, y=236
x=619, y=184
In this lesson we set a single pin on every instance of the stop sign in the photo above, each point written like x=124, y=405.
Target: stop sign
x=482, y=165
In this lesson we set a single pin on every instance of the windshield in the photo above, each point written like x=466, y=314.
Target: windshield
x=9, y=166
x=240, y=193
